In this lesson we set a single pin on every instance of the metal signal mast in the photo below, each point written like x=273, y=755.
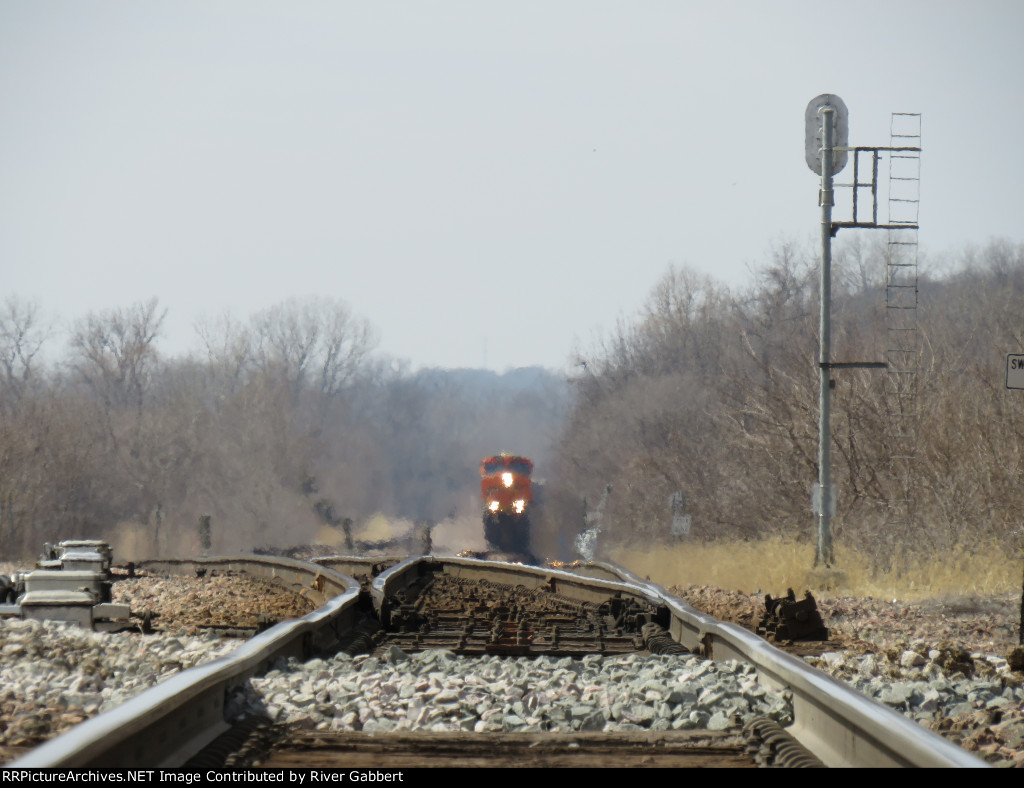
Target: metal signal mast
x=826, y=147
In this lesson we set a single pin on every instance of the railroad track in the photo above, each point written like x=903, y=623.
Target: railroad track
x=482, y=609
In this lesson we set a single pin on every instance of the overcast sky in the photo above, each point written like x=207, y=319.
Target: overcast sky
x=487, y=183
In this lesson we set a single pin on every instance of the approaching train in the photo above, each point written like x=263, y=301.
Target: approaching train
x=508, y=500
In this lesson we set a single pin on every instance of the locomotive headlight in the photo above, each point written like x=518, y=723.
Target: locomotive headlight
x=506, y=479
x=493, y=506
x=519, y=506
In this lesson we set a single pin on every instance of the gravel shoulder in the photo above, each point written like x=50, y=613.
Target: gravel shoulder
x=189, y=605
x=866, y=624
x=55, y=676
x=942, y=662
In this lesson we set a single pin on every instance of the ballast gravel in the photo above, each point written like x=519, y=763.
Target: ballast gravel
x=935, y=662
x=187, y=604
x=975, y=699
x=437, y=690
x=942, y=662
x=54, y=676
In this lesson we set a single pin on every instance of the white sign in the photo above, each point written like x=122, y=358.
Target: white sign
x=680, y=525
x=1015, y=371
x=680, y=519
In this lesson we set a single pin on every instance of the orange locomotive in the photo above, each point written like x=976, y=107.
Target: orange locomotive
x=507, y=502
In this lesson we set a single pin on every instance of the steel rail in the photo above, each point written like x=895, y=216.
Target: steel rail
x=835, y=722
x=166, y=724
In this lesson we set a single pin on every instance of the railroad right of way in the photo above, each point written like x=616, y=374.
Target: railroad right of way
x=672, y=699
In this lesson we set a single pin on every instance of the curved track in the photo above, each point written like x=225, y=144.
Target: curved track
x=168, y=724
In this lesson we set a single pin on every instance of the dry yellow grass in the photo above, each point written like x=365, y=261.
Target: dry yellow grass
x=772, y=565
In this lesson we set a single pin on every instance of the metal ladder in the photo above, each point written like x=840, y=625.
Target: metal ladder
x=901, y=300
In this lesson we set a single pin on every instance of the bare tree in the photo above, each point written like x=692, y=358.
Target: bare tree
x=115, y=352
x=314, y=342
x=229, y=350
x=22, y=334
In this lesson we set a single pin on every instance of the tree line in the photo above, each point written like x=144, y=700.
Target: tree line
x=289, y=421
x=712, y=392
x=280, y=425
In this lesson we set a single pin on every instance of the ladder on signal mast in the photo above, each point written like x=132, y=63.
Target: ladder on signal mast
x=901, y=303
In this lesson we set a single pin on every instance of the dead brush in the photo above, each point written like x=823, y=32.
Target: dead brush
x=774, y=564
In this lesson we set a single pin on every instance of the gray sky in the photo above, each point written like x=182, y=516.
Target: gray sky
x=472, y=177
